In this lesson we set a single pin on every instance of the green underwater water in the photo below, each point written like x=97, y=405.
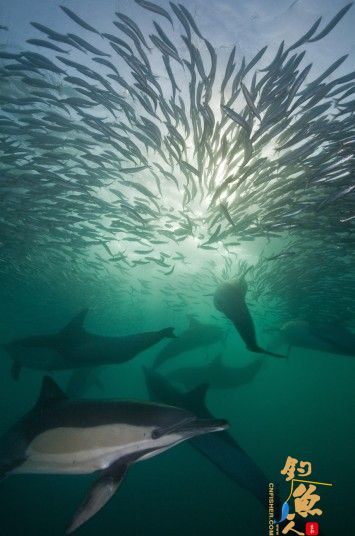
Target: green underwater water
x=301, y=406
x=60, y=253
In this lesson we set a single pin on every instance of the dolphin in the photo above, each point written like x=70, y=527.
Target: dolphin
x=323, y=337
x=63, y=436
x=81, y=380
x=216, y=374
x=74, y=347
x=222, y=450
x=197, y=335
x=229, y=298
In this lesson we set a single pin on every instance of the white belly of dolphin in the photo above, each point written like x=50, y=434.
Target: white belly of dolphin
x=85, y=450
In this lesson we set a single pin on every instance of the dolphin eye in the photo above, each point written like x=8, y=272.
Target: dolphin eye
x=156, y=434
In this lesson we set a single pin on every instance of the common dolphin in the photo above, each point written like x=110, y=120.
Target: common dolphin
x=222, y=450
x=216, y=373
x=74, y=347
x=229, y=298
x=323, y=337
x=197, y=335
x=63, y=436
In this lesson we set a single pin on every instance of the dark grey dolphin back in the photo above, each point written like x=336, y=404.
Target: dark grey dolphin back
x=13, y=444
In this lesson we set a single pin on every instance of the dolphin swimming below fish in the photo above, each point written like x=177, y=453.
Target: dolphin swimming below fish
x=229, y=298
x=323, y=337
x=197, y=335
x=63, y=436
x=222, y=450
x=216, y=374
x=74, y=347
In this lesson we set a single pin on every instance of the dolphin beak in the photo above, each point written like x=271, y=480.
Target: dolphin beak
x=200, y=426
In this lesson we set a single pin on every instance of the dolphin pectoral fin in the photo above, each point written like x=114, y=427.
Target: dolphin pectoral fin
x=100, y=493
x=16, y=369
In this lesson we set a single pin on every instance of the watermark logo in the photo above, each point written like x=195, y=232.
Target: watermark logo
x=312, y=528
x=301, y=502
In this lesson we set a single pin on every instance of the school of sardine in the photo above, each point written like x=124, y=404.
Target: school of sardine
x=119, y=148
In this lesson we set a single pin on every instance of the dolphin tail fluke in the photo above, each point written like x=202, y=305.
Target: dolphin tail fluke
x=168, y=333
x=259, y=350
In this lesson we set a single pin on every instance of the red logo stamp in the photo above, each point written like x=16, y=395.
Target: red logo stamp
x=312, y=528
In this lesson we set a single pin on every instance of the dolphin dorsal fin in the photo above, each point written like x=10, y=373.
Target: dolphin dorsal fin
x=50, y=392
x=196, y=397
x=75, y=326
